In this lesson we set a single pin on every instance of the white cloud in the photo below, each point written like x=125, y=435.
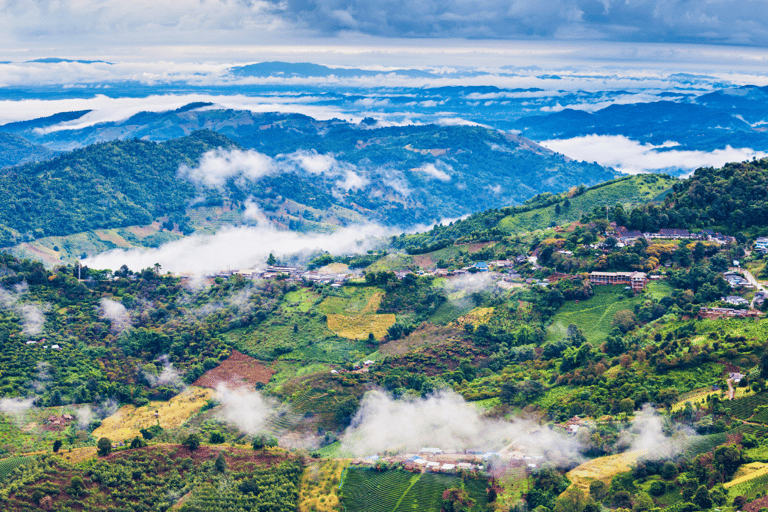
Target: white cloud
x=116, y=313
x=631, y=157
x=436, y=170
x=237, y=248
x=15, y=406
x=444, y=420
x=247, y=410
x=312, y=162
x=352, y=181
x=253, y=212
x=218, y=165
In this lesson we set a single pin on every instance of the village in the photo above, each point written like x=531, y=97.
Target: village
x=521, y=271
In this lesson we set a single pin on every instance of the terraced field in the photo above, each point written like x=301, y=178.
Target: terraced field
x=353, y=314
x=11, y=463
x=751, y=479
x=366, y=490
x=744, y=408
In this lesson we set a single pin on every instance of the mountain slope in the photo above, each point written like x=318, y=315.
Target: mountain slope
x=15, y=150
x=395, y=176
x=106, y=185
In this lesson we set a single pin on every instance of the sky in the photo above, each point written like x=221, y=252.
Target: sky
x=390, y=32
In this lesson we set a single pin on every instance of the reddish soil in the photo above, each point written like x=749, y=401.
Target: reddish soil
x=236, y=371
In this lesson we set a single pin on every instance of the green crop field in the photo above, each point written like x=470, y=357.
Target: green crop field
x=744, y=408
x=399, y=491
x=11, y=463
x=594, y=316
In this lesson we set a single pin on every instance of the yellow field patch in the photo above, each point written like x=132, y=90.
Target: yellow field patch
x=334, y=268
x=357, y=327
x=374, y=303
x=126, y=422
x=320, y=486
x=747, y=472
x=476, y=317
x=144, y=231
x=603, y=469
x=695, y=399
x=77, y=454
x=109, y=235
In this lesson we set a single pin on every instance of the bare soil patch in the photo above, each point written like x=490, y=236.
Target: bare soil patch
x=237, y=370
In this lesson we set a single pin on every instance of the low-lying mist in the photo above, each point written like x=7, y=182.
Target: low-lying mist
x=445, y=420
x=238, y=248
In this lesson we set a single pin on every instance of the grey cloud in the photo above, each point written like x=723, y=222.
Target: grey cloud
x=725, y=21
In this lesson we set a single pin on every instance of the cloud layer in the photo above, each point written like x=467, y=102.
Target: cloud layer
x=237, y=248
x=264, y=21
x=632, y=157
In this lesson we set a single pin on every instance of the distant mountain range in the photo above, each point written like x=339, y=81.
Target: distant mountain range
x=320, y=173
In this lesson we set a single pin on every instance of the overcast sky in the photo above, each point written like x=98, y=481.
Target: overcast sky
x=238, y=30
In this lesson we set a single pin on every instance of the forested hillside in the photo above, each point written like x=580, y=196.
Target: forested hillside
x=304, y=174
x=112, y=184
x=732, y=198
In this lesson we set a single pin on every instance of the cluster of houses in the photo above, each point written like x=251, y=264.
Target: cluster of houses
x=728, y=313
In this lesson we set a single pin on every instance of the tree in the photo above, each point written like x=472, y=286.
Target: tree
x=625, y=320
x=57, y=445
x=192, y=442
x=216, y=437
x=597, y=490
x=668, y=396
x=259, y=442
x=76, y=486
x=104, y=447
x=456, y=499
x=643, y=502
x=220, y=465
x=271, y=260
x=702, y=499
x=627, y=405
x=764, y=363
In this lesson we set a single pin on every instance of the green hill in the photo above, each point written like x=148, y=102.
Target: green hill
x=541, y=212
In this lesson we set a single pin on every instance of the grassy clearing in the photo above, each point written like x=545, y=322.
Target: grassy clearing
x=27, y=432
x=603, y=469
x=301, y=300
x=593, y=316
x=320, y=486
x=128, y=420
x=658, y=289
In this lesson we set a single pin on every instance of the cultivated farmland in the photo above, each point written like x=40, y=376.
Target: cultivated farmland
x=128, y=420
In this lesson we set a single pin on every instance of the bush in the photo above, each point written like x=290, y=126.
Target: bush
x=658, y=488
x=192, y=442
